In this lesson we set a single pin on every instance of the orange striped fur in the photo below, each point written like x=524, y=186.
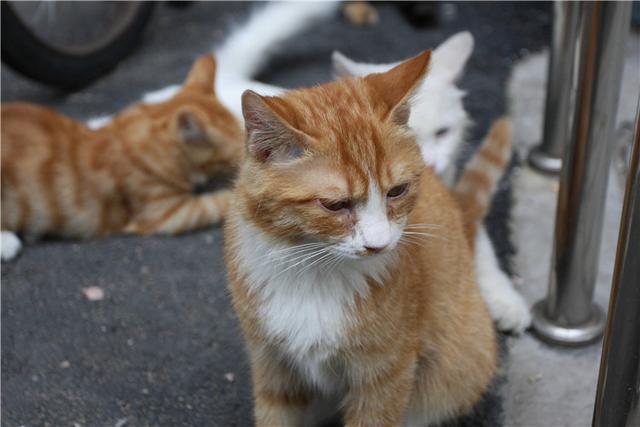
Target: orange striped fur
x=134, y=175
x=481, y=175
x=412, y=342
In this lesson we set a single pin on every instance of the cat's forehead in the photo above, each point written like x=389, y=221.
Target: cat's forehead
x=343, y=121
x=349, y=131
x=339, y=108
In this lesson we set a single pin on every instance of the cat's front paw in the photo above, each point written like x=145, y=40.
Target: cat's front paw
x=10, y=245
x=507, y=307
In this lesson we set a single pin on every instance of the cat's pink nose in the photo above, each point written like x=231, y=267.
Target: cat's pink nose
x=374, y=250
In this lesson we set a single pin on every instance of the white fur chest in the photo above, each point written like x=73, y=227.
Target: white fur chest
x=307, y=307
x=310, y=321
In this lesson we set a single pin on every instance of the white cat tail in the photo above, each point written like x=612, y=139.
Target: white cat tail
x=242, y=54
x=248, y=47
x=481, y=175
x=10, y=245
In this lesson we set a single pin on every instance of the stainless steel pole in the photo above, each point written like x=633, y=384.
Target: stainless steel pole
x=560, y=97
x=568, y=315
x=618, y=394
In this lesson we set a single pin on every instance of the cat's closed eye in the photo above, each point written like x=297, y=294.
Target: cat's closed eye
x=336, y=206
x=398, y=191
x=442, y=132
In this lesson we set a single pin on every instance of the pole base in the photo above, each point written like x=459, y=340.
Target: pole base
x=550, y=332
x=542, y=162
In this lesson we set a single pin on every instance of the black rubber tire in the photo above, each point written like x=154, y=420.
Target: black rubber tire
x=25, y=53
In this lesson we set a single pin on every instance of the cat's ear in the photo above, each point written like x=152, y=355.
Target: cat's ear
x=394, y=88
x=451, y=56
x=189, y=128
x=203, y=73
x=269, y=136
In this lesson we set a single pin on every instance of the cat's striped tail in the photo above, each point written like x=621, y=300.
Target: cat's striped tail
x=481, y=175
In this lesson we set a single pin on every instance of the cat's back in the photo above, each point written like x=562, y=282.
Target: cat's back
x=49, y=179
x=23, y=118
x=29, y=129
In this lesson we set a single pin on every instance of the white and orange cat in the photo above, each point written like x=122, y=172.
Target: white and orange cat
x=439, y=120
x=134, y=175
x=349, y=262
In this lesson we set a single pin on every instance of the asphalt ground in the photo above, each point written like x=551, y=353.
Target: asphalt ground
x=163, y=347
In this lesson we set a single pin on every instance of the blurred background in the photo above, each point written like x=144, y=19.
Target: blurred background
x=163, y=347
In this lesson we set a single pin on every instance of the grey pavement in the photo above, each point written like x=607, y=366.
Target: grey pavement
x=163, y=347
x=547, y=385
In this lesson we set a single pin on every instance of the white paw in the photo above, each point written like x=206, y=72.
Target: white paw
x=10, y=245
x=507, y=307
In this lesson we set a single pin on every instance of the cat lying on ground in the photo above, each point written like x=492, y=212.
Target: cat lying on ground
x=134, y=175
x=36, y=211
x=349, y=262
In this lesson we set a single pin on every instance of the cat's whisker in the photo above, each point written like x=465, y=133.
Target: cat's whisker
x=308, y=267
x=307, y=257
x=424, y=242
x=292, y=256
x=423, y=234
x=421, y=230
x=338, y=261
x=327, y=261
x=299, y=255
x=404, y=243
x=410, y=239
x=416, y=241
x=331, y=264
x=422, y=226
x=290, y=249
x=410, y=244
x=286, y=251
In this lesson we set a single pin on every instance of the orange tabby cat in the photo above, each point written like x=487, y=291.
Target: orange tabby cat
x=348, y=263
x=134, y=175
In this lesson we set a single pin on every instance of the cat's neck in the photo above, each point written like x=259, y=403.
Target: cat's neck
x=305, y=300
x=267, y=262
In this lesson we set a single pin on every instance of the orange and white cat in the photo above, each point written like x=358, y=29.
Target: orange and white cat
x=349, y=262
x=134, y=175
x=439, y=120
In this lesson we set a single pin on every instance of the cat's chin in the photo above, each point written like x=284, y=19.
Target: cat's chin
x=358, y=256
x=365, y=257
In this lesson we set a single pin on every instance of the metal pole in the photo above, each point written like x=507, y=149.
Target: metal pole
x=618, y=394
x=560, y=97
x=568, y=315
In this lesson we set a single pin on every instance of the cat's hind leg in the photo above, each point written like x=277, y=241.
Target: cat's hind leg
x=507, y=307
x=10, y=245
